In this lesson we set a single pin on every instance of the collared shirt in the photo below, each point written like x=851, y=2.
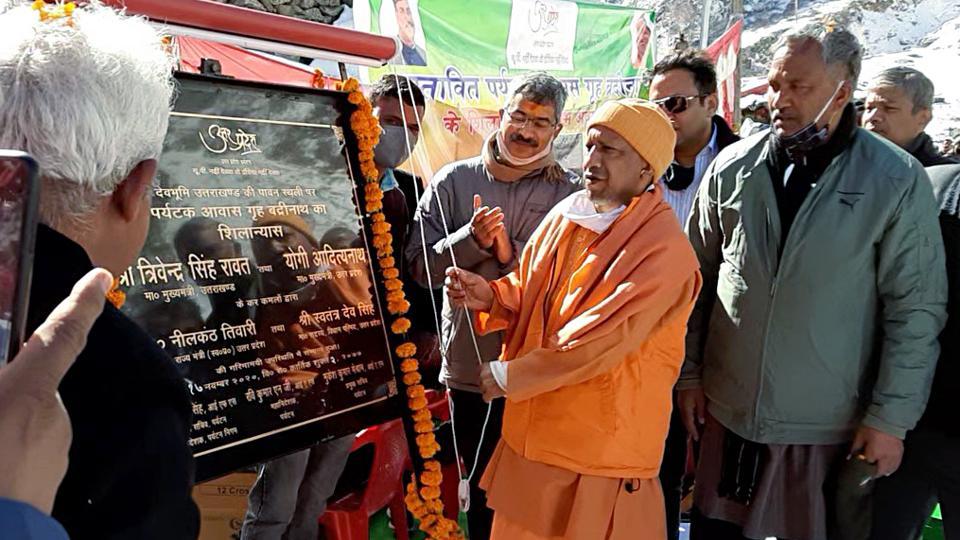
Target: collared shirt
x=682, y=200
x=389, y=181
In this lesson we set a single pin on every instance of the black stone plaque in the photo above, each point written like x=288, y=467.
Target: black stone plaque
x=256, y=276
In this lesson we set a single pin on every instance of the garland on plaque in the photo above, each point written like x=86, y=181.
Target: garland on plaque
x=424, y=503
x=115, y=296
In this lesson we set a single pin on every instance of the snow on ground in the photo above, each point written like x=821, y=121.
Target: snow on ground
x=924, y=35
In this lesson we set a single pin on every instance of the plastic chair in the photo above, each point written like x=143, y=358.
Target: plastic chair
x=349, y=517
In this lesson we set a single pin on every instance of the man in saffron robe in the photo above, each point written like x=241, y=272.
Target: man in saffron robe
x=595, y=317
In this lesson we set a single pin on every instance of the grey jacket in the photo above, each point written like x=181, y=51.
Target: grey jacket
x=841, y=330
x=450, y=195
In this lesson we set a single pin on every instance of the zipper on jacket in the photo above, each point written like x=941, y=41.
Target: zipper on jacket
x=809, y=201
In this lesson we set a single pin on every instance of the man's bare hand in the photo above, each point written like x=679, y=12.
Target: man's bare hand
x=879, y=448
x=469, y=290
x=486, y=224
x=34, y=426
x=503, y=246
x=693, y=410
x=488, y=384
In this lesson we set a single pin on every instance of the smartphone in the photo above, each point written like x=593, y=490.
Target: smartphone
x=19, y=196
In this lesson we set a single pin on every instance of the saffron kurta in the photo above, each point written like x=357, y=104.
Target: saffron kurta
x=594, y=328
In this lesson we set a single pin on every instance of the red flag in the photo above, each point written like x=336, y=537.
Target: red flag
x=724, y=52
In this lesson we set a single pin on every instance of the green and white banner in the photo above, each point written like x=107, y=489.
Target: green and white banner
x=464, y=52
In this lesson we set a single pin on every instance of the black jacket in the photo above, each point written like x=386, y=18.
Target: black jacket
x=399, y=206
x=680, y=178
x=131, y=469
x=941, y=413
x=926, y=153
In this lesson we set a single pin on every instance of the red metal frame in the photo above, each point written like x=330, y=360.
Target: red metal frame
x=240, y=21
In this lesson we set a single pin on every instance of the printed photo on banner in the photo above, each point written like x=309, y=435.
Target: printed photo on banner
x=642, y=41
x=542, y=35
x=401, y=18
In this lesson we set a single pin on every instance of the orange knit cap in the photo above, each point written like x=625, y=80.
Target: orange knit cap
x=644, y=126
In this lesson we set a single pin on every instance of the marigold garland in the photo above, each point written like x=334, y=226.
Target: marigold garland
x=423, y=501
x=115, y=296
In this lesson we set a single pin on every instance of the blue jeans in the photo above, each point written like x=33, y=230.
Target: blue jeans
x=291, y=492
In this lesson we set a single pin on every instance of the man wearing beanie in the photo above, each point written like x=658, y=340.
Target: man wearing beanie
x=594, y=320
x=811, y=350
x=478, y=214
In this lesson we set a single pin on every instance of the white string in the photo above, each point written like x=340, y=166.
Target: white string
x=443, y=220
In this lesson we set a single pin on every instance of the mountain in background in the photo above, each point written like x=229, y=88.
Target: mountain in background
x=924, y=34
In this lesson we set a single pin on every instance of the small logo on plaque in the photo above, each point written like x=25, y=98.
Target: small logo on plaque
x=222, y=139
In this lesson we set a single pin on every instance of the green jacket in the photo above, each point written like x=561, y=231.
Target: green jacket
x=842, y=329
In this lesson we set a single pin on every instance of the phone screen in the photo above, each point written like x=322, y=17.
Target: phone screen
x=18, y=206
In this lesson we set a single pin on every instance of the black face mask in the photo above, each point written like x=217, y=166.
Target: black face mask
x=801, y=143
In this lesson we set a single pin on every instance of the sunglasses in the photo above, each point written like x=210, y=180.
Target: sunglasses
x=677, y=104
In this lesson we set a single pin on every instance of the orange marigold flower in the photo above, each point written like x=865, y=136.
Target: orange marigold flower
x=398, y=307
x=400, y=326
x=378, y=217
x=380, y=227
x=423, y=427
x=431, y=478
x=432, y=465
x=393, y=284
x=351, y=85
x=381, y=240
x=427, y=453
x=417, y=403
x=416, y=391
x=391, y=273
x=385, y=252
x=430, y=492
x=412, y=378
x=423, y=415
x=409, y=365
x=374, y=206
x=395, y=296
x=355, y=98
x=435, y=506
x=419, y=512
x=406, y=350
x=426, y=440
x=115, y=296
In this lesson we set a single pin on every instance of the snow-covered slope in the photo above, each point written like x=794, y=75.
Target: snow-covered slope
x=923, y=34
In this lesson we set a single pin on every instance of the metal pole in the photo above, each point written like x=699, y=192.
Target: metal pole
x=705, y=26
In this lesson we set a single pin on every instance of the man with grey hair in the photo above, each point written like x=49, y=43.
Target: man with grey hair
x=88, y=95
x=815, y=335
x=899, y=106
x=477, y=214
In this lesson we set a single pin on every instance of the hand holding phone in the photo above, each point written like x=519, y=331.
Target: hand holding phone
x=19, y=196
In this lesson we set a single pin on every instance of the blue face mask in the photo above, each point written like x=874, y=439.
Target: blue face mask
x=809, y=137
x=392, y=149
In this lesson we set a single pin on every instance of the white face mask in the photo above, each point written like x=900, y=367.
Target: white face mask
x=579, y=209
x=517, y=161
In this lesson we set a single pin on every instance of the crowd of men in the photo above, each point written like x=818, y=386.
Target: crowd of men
x=774, y=308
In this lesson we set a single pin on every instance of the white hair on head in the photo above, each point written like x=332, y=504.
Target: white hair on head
x=89, y=97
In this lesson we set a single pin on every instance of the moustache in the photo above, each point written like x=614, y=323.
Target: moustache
x=517, y=138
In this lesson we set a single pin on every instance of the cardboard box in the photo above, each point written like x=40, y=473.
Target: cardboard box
x=222, y=503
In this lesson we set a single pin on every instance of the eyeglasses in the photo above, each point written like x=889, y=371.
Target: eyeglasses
x=677, y=104
x=520, y=120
